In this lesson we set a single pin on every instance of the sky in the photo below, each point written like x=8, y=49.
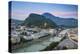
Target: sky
x=21, y=10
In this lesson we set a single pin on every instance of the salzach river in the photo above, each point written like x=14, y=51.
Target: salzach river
x=40, y=44
x=36, y=45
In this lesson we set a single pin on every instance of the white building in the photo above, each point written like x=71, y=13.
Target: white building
x=15, y=39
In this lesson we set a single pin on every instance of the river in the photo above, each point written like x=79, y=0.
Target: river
x=36, y=45
x=39, y=44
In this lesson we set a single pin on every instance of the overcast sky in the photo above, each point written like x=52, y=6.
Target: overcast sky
x=21, y=10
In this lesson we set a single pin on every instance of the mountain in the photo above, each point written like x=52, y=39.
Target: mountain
x=65, y=22
x=39, y=21
x=15, y=21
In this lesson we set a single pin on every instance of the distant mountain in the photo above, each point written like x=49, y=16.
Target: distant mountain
x=39, y=21
x=46, y=20
x=16, y=22
x=65, y=22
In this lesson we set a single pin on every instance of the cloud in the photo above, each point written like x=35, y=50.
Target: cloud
x=65, y=14
x=22, y=14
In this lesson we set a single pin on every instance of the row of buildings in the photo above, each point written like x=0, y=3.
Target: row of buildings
x=27, y=33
